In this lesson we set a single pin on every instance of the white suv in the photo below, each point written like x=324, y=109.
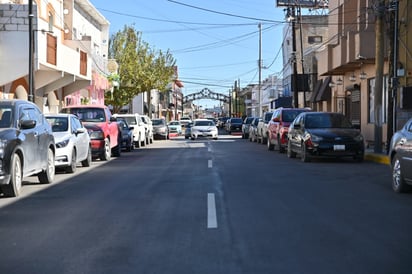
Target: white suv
x=139, y=130
x=149, y=128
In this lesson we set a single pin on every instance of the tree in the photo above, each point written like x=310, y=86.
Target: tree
x=141, y=68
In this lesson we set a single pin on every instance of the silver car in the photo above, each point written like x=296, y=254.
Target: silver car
x=72, y=140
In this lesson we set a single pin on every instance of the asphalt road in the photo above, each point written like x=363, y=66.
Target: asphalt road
x=204, y=206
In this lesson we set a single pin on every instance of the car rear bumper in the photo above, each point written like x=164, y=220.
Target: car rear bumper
x=97, y=147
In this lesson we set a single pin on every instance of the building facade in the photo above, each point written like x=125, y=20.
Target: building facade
x=68, y=60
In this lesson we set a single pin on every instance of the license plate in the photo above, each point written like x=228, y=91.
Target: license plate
x=338, y=147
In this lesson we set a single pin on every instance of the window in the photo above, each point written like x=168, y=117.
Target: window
x=83, y=63
x=51, y=49
x=51, y=21
x=315, y=39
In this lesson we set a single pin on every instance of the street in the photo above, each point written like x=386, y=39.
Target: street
x=209, y=206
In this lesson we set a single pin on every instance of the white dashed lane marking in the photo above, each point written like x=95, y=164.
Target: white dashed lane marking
x=211, y=211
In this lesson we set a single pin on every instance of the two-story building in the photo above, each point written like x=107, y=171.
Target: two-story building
x=349, y=64
x=54, y=52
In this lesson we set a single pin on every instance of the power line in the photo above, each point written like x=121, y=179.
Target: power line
x=224, y=13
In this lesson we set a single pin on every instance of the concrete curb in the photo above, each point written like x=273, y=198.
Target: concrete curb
x=378, y=158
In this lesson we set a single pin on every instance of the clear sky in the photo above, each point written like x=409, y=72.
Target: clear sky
x=214, y=42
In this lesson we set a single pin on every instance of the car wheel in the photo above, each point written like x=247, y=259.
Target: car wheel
x=86, y=162
x=143, y=142
x=73, y=163
x=138, y=144
x=129, y=145
x=117, y=150
x=269, y=145
x=398, y=182
x=290, y=153
x=13, y=189
x=47, y=176
x=105, y=156
x=304, y=156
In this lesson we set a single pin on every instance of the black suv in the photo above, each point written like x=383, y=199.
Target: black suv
x=27, y=145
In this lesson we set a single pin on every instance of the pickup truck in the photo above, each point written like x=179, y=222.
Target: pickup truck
x=103, y=129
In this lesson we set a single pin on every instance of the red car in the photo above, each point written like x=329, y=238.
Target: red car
x=103, y=129
x=278, y=127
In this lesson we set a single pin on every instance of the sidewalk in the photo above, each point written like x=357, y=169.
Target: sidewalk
x=381, y=158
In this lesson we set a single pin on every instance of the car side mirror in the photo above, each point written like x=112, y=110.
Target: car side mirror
x=113, y=119
x=296, y=126
x=80, y=130
x=131, y=128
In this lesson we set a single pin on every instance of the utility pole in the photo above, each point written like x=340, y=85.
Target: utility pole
x=301, y=57
x=392, y=99
x=31, y=52
x=260, y=71
x=377, y=102
x=295, y=65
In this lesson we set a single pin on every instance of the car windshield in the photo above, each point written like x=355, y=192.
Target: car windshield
x=236, y=120
x=290, y=115
x=204, y=123
x=58, y=124
x=174, y=123
x=87, y=114
x=248, y=120
x=131, y=120
x=5, y=121
x=327, y=121
x=157, y=122
x=268, y=116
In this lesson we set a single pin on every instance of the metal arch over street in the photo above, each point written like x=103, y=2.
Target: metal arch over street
x=206, y=94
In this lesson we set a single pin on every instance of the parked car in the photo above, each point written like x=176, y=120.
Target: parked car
x=245, y=127
x=253, y=129
x=324, y=134
x=277, y=136
x=126, y=135
x=175, y=127
x=149, y=128
x=27, y=146
x=160, y=129
x=400, y=153
x=188, y=130
x=204, y=128
x=262, y=127
x=222, y=122
x=139, y=129
x=185, y=120
x=73, y=145
x=102, y=127
x=234, y=125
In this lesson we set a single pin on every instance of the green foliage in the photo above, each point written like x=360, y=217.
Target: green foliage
x=141, y=68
